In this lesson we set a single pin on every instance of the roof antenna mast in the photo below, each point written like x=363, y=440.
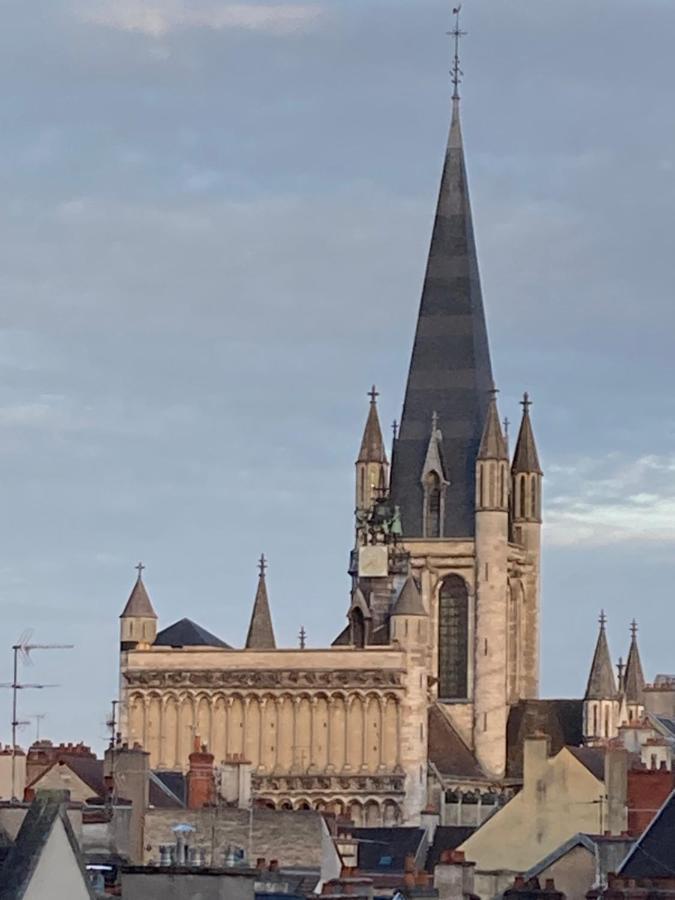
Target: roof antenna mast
x=456, y=70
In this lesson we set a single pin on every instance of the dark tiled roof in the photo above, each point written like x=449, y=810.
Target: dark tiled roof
x=653, y=856
x=187, y=633
x=372, y=445
x=450, y=370
x=139, y=603
x=260, y=630
x=384, y=850
x=446, y=837
x=601, y=684
x=447, y=751
x=592, y=758
x=409, y=602
x=23, y=858
x=560, y=720
x=88, y=770
x=526, y=458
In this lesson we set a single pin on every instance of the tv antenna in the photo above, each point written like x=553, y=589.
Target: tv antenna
x=38, y=719
x=24, y=648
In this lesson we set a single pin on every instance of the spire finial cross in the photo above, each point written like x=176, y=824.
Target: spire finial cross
x=434, y=422
x=262, y=565
x=373, y=393
x=394, y=428
x=507, y=423
x=633, y=629
x=526, y=403
x=456, y=70
x=140, y=568
x=602, y=620
x=303, y=637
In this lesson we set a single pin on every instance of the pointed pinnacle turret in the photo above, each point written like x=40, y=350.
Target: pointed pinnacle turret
x=409, y=602
x=261, y=631
x=526, y=458
x=139, y=605
x=601, y=684
x=493, y=444
x=634, y=679
x=372, y=445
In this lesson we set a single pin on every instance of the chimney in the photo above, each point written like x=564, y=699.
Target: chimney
x=129, y=770
x=616, y=787
x=201, y=784
x=535, y=761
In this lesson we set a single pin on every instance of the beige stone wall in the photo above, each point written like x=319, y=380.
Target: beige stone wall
x=574, y=873
x=560, y=798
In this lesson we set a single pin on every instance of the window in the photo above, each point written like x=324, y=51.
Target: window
x=432, y=502
x=595, y=721
x=533, y=497
x=453, y=639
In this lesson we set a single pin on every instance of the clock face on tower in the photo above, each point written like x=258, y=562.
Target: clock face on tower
x=373, y=562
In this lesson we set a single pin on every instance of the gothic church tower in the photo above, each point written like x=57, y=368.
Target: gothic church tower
x=462, y=520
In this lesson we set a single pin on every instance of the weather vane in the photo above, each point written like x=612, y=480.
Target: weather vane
x=456, y=70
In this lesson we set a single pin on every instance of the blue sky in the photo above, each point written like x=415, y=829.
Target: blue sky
x=213, y=234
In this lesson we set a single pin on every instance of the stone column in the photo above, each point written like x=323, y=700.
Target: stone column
x=295, y=763
x=146, y=708
x=364, y=736
x=161, y=762
x=329, y=736
x=381, y=756
x=312, y=734
x=348, y=716
x=228, y=726
x=398, y=733
x=263, y=707
x=245, y=726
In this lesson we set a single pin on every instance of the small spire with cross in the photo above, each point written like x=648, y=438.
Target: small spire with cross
x=140, y=568
x=507, y=423
x=526, y=403
x=373, y=393
x=303, y=637
x=602, y=620
x=633, y=629
x=620, y=667
x=456, y=70
x=262, y=565
x=394, y=428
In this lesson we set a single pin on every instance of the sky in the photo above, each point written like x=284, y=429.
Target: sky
x=213, y=232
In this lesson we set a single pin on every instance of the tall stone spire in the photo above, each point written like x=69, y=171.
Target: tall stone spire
x=634, y=679
x=260, y=631
x=372, y=446
x=450, y=371
x=139, y=605
x=526, y=458
x=601, y=684
x=493, y=443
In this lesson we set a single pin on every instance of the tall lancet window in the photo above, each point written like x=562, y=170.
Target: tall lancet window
x=432, y=506
x=453, y=639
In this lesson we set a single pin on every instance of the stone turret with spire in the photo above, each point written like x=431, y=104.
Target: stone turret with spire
x=260, y=630
x=601, y=700
x=138, y=622
x=372, y=465
x=634, y=679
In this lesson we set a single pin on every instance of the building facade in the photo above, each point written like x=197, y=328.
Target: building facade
x=443, y=615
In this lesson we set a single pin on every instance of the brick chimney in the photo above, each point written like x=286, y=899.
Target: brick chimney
x=201, y=785
x=648, y=790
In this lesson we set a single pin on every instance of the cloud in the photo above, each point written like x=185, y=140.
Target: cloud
x=611, y=500
x=164, y=16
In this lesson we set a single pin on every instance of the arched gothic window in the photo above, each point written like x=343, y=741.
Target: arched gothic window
x=533, y=496
x=358, y=628
x=453, y=639
x=432, y=506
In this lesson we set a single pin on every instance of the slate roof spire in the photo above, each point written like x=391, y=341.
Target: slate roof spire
x=493, y=443
x=601, y=684
x=450, y=371
x=634, y=679
x=139, y=604
x=372, y=445
x=526, y=458
x=260, y=631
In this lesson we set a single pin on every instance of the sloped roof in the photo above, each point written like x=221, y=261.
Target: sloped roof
x=450, y=371
x=186, y=633
x=160, y=794
x=384, y=850
x=561, y=720
x=88, y=770
x=446, y=837
x=138, y=604
x=493, y=445
x=447, y=751
x=409, y=602
x=601, y=684
x=652, y=855
x=22, y=860
x=526, y=458
x=577, y=840
x=260, y=630
x=593, y=758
